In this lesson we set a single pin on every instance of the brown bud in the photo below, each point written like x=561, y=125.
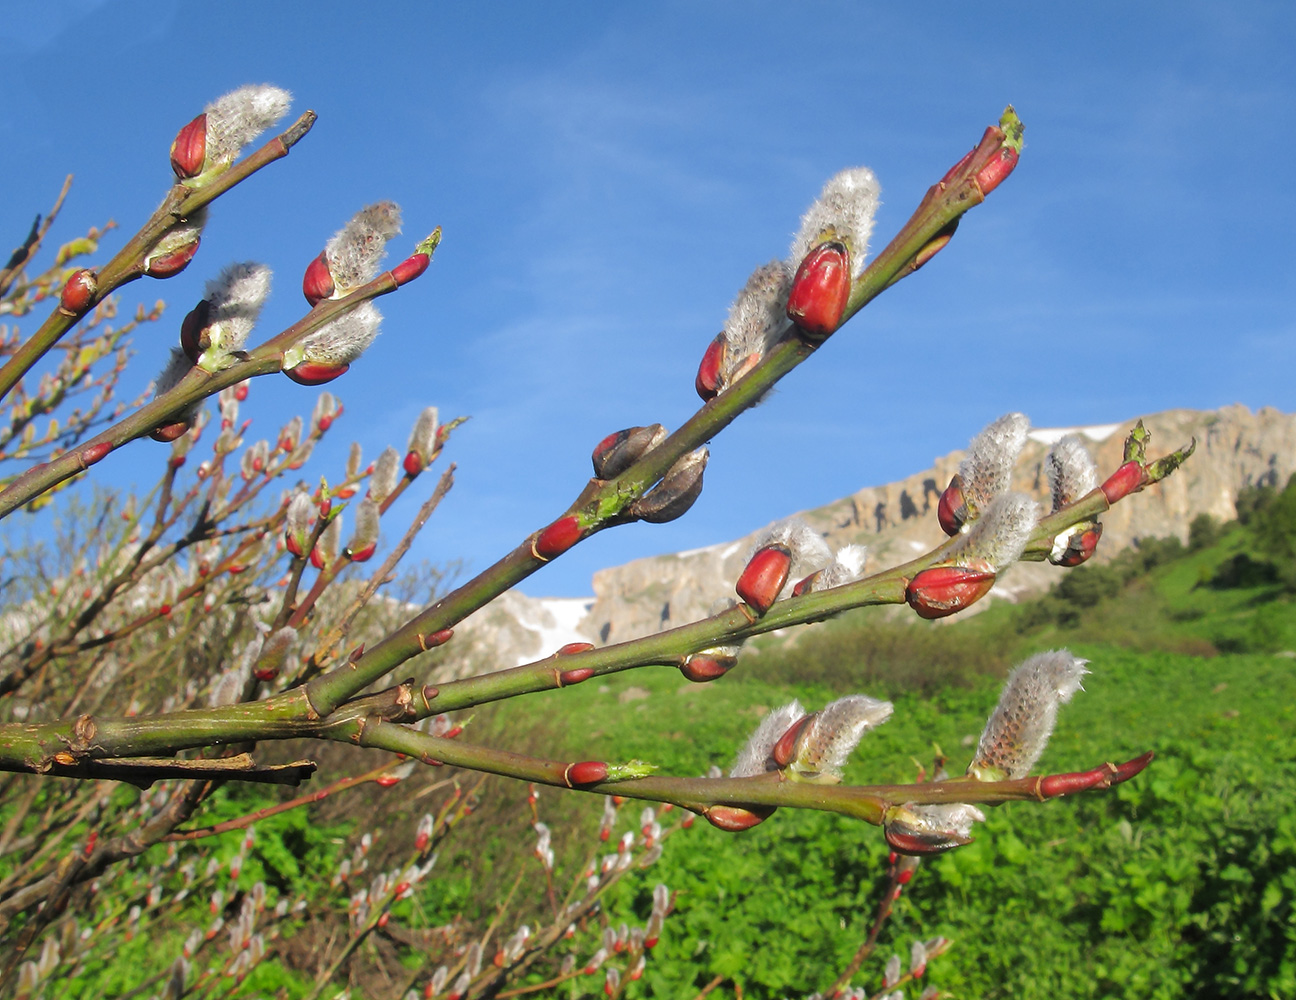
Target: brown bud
x=95, y=452
x=556, y=539
x=620, y=450
x=763, y=577
x=676, y=493
x=708, y=378
x=952, y=509
x=189, y=149
x=79, y=292
x=317, y=282
x=944, y=590
x=820, y=290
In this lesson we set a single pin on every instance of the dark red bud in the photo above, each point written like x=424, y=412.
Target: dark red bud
x=173, y=263
x=556, y=539
x=413, y=463
x=1129, y=478
x=169, y=432
x=1080, y=547
x=575, y=675
x=702, y=667
x=820, y=290
x=951, y=510
x=382, y=921
x=364, y=555
x=587, y=772
x=386, y=781
x=241, y=391
x=434, y=639
x=410, y=268
x=784, y=751
x=316, y=373
x=675, y=494
x=764, y=576
x=574, y=647
x=164, y=610
x=344, y=492
x=189, y=149
x=266, y=673
x=735, y=819
x=904, y=876
x=191, y=330
x=707, y=382
x=292, y=545
x=997, y=170
x=944, y=590
x=316, y=558
x=95, y=452
x=79, y=293
x=317, y=282
x=325, y=506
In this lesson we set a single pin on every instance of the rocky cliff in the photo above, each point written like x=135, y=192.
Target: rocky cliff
x=1235, y=449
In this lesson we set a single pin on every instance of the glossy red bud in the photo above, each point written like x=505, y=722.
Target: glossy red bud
x=413, y=463
x=317, y=558
x=95, y=452
x=587, y=772
x=575, y=675
x=164, y=610
x=170, y=264
x=556, y=539
x=784, y=751
x=169, y=432
x=1129, y=478
x=904, y=876
x=386, y=781
x=707, y=382
x=702, y=667
x=365, y=554
x=951, y=510
x=241, y=391
x=293, y=545
x=997, y=170
x=266, y=673
x=574, y=647
x=317, y=281
x=944, y=590
x=1099, y=777
x=189, y=149
x=735, y=819
x=315, y=373
x=79, y=292
x=763, y=577
x=820, y=290
x=410, y=268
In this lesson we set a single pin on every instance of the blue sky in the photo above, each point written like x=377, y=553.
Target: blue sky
x=607, y=176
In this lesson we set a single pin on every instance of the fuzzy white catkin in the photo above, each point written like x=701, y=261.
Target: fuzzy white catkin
x=423, y=435
x=843, y=211
x=355, y=250
x=834, y=733
x=952, y=817
x=177, y=367
x=235, y=298
x=1071, y=471
x=756, y=319
x=754, y=758
x=386, y=472
x=240, y=116
x=1000, y=535
x=987, y=469
x=847, y=567
x=1020, y=726
x=345, y=339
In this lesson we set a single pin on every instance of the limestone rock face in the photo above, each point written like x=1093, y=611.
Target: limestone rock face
x=1235, y=449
